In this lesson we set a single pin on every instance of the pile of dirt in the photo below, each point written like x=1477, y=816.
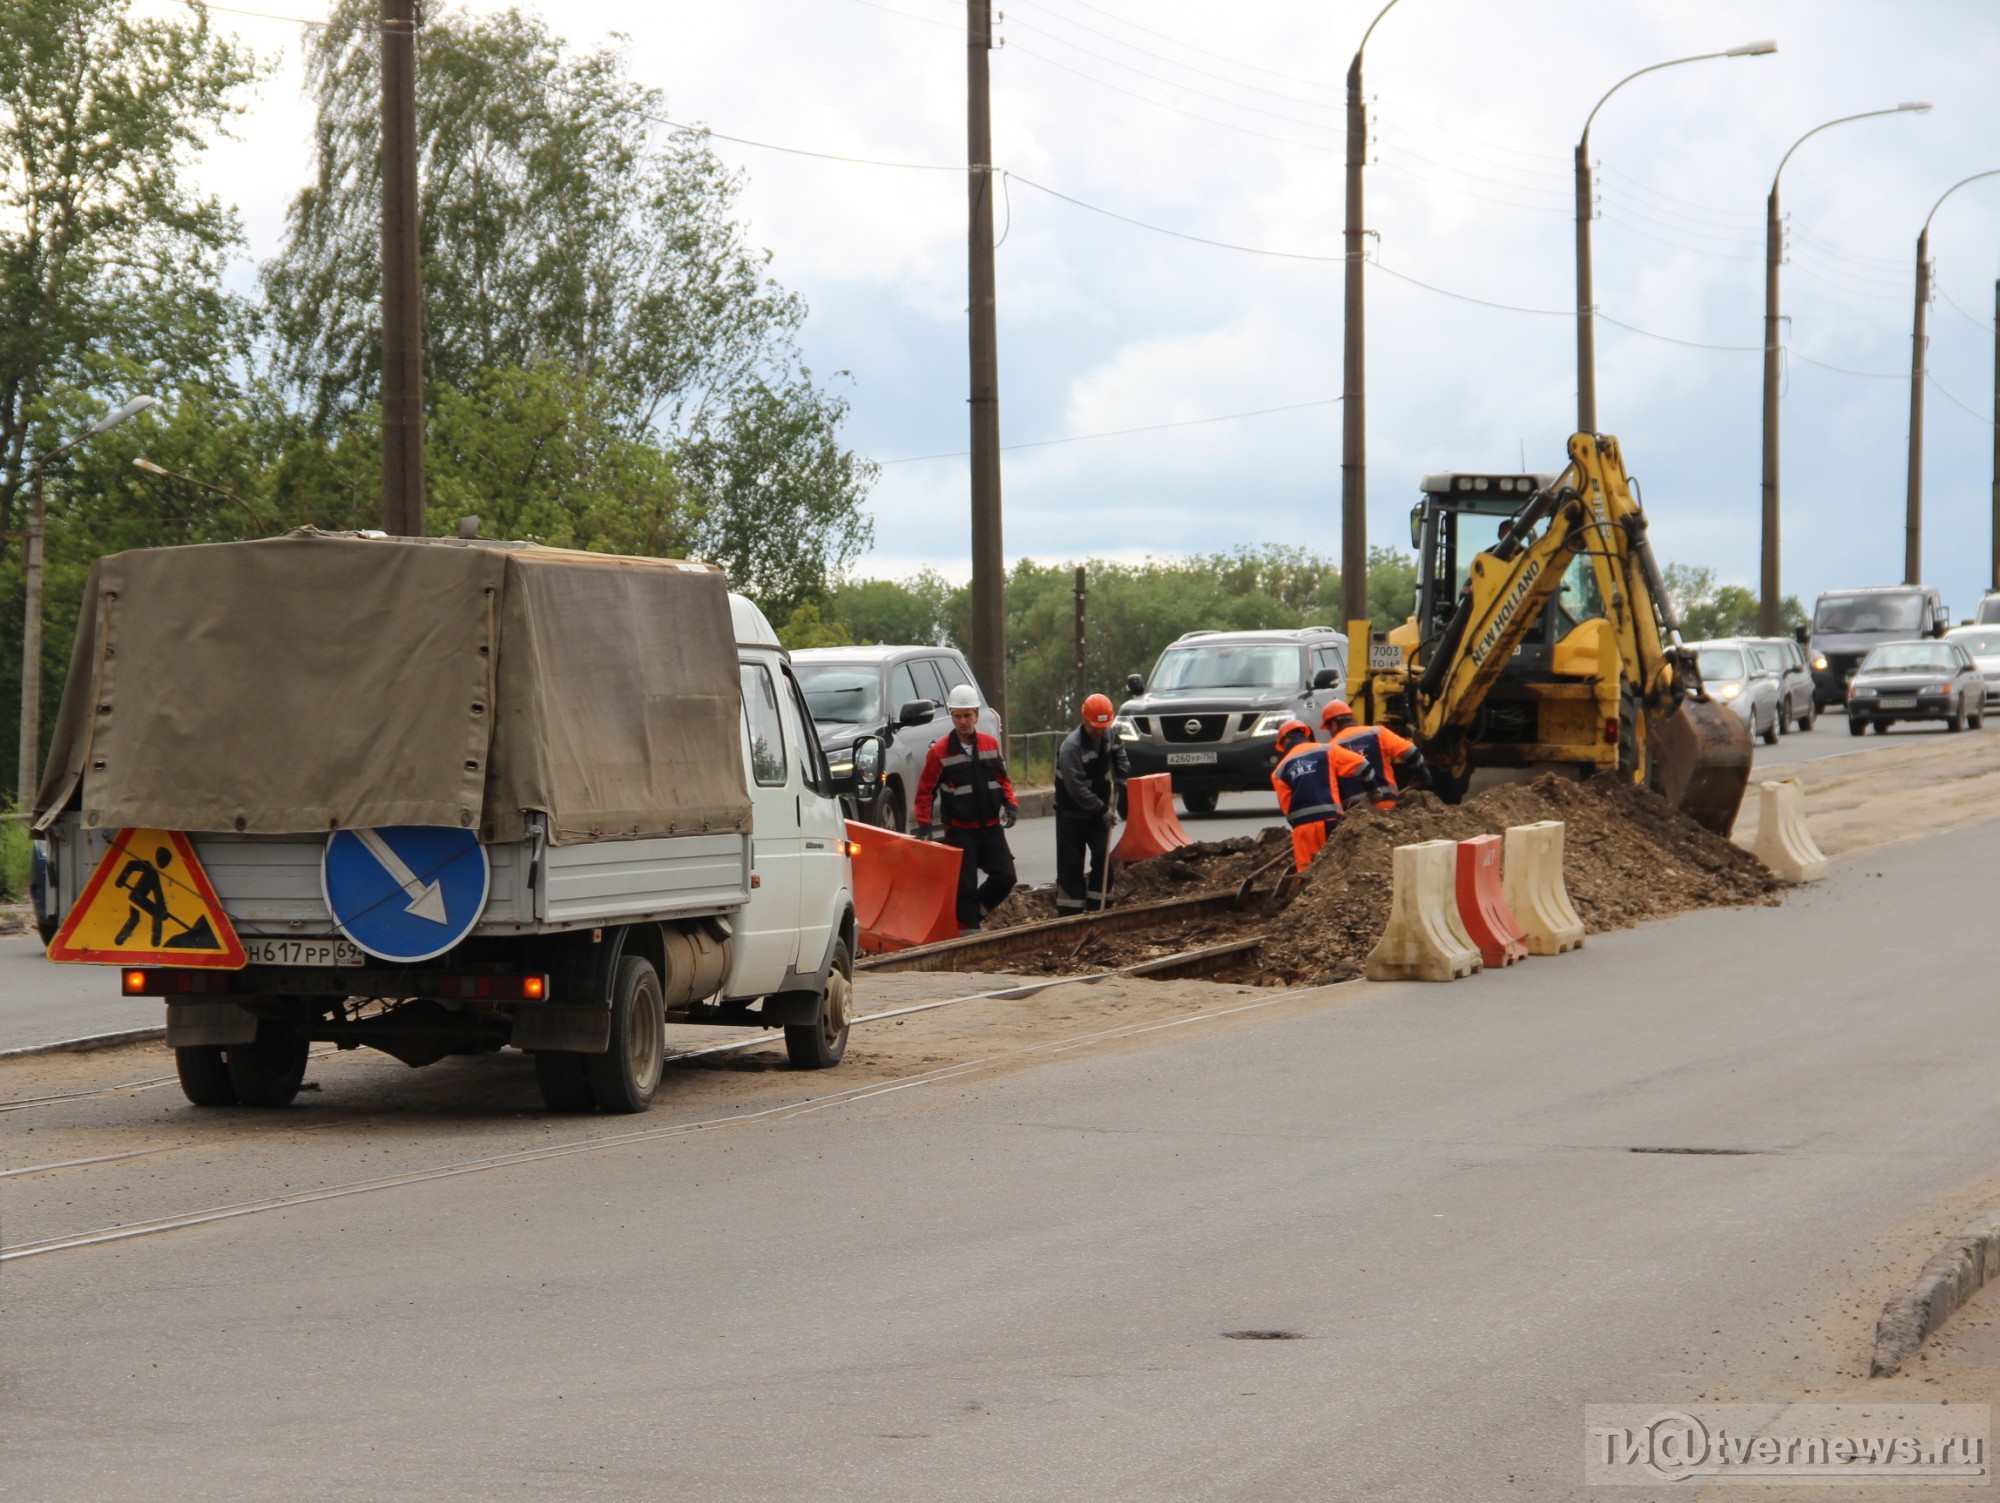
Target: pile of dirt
x=1206, y=866
x=1627, y=857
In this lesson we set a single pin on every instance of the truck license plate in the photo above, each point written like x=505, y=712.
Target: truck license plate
x=303, y=952
x=1897, y=704
x=1190, y=759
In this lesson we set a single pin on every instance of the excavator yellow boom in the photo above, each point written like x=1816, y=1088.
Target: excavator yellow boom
x=1543, y=639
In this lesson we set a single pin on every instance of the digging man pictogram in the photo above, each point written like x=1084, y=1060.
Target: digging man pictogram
x=143, y=882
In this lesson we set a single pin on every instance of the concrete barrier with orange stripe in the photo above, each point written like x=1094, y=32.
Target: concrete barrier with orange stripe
x=905, y=891
x=1151, y=828
x=1482, y=908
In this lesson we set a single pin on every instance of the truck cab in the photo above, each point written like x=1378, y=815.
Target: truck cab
x=1847, y=623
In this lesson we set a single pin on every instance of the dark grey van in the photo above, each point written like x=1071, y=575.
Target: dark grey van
x=1847, y=623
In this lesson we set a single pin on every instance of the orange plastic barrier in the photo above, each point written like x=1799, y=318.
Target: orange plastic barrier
x=1150, y=826
x=905, y=891
x=1488, y=920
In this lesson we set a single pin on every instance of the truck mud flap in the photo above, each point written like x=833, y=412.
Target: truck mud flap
x=192, y=1025
x=579, y=1028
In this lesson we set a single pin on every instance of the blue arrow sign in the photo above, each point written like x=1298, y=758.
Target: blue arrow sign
x=408, y=892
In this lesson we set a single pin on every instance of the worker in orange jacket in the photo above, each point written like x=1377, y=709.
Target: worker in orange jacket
x=1395, y=760
x=1313, y=782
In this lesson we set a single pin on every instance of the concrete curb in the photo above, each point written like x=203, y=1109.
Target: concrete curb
x=85, y=1045
x=1957, y=1272
x=1036, y=803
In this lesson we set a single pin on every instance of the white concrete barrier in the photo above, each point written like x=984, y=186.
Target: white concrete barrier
x=1783, y=842
x=1531, y=878
x=1425, y=939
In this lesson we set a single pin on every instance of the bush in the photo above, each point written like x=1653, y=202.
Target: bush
x=15, y=854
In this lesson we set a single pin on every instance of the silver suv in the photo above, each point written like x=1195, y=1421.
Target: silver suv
x=1211, y=711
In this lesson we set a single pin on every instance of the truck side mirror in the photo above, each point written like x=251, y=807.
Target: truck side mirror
x=917, y=712
x=1326, y=678
x=1802, y=635
x=1134, y=684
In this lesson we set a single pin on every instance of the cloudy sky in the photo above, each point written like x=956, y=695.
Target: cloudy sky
x=1224, y=122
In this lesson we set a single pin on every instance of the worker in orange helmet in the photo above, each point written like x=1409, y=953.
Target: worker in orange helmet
x=1089, y=766
x=1396, y=762
x=1312, y=781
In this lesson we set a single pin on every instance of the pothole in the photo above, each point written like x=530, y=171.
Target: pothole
x=1264, y=1335
x=1727, y=1153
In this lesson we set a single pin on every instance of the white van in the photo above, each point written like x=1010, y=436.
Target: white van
x=449, y=796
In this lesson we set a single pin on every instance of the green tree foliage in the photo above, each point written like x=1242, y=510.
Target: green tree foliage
x=566, y=231
x=109, y=264
x=1707, y=610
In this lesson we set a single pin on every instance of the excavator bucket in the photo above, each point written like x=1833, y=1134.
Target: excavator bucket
x=1702, y=756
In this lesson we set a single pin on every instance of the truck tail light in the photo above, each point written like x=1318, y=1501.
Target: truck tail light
x=1610, y=732
x=138, y=982
x=494, y=988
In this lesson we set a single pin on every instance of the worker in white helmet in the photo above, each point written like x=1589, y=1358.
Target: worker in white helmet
x=966, y=776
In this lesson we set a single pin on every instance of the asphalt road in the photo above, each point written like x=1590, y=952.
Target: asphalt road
x=1015, y=1287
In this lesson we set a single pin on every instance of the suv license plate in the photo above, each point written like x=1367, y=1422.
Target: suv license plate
x=1897, y=704
x=303, y=952
x=1190, y=759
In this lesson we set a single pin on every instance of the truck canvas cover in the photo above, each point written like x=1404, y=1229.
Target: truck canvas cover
x=319, y=681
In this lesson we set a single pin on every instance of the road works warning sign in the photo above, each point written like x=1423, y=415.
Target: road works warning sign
x=149, y=903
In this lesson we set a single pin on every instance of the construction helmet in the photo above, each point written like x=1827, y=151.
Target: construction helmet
x=1291, y=734
x=1097, y=711
x=1336, y=709
x=964, y=697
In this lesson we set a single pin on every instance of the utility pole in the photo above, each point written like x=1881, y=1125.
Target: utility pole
x=1082, y=680
x=989, y=568
x=1994, y=572
x=402, y=280
x=1913, y=503
x=1769, y=600
x=1767, y=581
x=1913, y=516
x=1586, y=307
x=1354, y=370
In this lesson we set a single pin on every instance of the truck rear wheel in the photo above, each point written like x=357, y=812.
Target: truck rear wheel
x=204, y=1075
x=624, y=1077
x=270, y=1071
x=564, y=1086
x=820, y=1045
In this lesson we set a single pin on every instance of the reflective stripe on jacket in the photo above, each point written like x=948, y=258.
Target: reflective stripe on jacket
x=968, y=787
x=1384, y=749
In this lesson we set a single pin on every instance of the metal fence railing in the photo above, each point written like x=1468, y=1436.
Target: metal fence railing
x=1033, y=765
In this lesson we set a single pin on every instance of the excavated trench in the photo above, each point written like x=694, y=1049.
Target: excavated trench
x=1231, y=910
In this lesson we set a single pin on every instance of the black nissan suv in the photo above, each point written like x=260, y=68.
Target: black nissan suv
x=1210, y=713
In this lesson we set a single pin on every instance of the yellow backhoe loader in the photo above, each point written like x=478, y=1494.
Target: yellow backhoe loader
x=1543, y=640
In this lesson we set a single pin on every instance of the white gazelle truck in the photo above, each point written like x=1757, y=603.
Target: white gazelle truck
x=443, y=796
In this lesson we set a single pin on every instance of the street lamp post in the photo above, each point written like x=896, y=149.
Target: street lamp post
x=1354, y=381
x=31, y=578
x=1913, y=508
x=1768, y=596
x=1586, y=334
x=215, y=490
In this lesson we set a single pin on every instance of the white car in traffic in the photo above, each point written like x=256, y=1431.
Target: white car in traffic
x=1734, y=674
x=1983, y=642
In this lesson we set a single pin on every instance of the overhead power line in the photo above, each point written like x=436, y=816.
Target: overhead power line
x=1207, y=52
x=1172, y=62
x=1077, y=438
x=1977, y=417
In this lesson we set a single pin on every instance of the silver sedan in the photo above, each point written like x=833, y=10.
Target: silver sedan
x=1983, y=642
x=1732, y=673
